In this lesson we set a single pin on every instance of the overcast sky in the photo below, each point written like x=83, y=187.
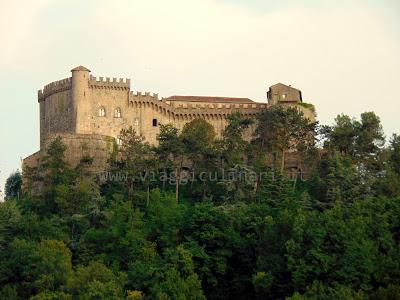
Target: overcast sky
x=343, y=55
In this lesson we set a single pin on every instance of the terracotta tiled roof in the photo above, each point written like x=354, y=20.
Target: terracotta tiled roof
x=209, y=99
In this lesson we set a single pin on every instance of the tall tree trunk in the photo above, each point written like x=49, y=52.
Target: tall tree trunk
x=204, y=190
x=257, y=185
x=178, y=179
x=148, y=194
x=274, y=161
x=295, y=181
x=164, y=178
x=192, y=180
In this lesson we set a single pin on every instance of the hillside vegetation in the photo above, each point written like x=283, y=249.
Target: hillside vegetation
x=231, y=224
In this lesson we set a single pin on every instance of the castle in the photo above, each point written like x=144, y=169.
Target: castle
x=88, y=113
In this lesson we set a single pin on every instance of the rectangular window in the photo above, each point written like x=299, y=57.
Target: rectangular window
x=155, y=123
x=136, y=121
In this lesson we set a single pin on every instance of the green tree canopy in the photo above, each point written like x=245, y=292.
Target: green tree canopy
x=13, y=185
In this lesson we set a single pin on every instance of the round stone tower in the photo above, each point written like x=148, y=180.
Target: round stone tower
x=79, y=93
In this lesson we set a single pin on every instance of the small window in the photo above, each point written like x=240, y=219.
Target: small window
x=283, y=96
x=102, y=112
x=136, y=121
x=155, y=123
x=119, y=141
x=117, y=113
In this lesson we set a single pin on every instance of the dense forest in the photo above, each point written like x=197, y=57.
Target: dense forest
x=207, y=217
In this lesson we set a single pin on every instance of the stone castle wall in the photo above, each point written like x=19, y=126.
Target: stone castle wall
x=70, y=108
x=143, y=111
x=56, y=109
x=79, y=146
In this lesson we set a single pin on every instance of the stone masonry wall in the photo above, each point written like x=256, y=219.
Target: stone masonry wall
x=78, y=146
x=70, y=108
x=56, y=109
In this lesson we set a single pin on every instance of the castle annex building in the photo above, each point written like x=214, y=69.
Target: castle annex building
x=89, y=112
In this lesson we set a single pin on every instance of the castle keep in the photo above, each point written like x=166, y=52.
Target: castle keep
x=89, y=112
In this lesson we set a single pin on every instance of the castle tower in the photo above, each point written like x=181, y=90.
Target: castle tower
x=80, y=97
x=281, y=93
x=88, y=113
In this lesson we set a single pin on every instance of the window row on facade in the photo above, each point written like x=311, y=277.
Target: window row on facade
x=118, y=114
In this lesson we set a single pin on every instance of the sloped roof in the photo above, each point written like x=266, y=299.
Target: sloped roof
x=209, y=99
x=285, y=85
x=80, y=68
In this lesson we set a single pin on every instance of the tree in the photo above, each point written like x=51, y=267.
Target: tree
x=362, y=139
x=355, y=149
x=370, y=134
x=198, y=136
x=46, y=295
x=178, y=281
x=10, y=217
x=96, y=281
x=335, y=235
x=335, y=180
x=54, y=167
x=233, y=144
x=13, y=186
x=51, y=179
x=322, y=292
x=119, y=238
x=395, y=153
x=282, y=129
x=137, y=160
x=54, y=267
x=36, y=267
x=163, y=219
x=171, y=151
x=341, y=136
x=208, y=235
x=9, y=292
x=275, y=188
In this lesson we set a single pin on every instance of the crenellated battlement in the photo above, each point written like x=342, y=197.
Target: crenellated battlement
x=110, y=83
x=89, y=113
x=144, y=95
x=152, y=100
x=54, y=87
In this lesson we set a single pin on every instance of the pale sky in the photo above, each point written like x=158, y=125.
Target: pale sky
x=343, y=55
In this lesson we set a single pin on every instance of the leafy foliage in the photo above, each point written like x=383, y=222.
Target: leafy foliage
x=248, y=232
x=13, y=185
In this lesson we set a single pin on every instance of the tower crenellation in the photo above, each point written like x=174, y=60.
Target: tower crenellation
x=83, y=106
x=113, y=83
x=54, y=87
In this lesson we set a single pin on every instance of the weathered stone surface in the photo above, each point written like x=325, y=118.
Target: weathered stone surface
x=85, y=110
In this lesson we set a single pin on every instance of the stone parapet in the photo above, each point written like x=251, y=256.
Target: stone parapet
x=138, y=99
x=109, y=83
x=54, y=87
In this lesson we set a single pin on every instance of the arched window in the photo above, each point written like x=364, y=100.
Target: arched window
x=117, y=113
x=102, y=112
